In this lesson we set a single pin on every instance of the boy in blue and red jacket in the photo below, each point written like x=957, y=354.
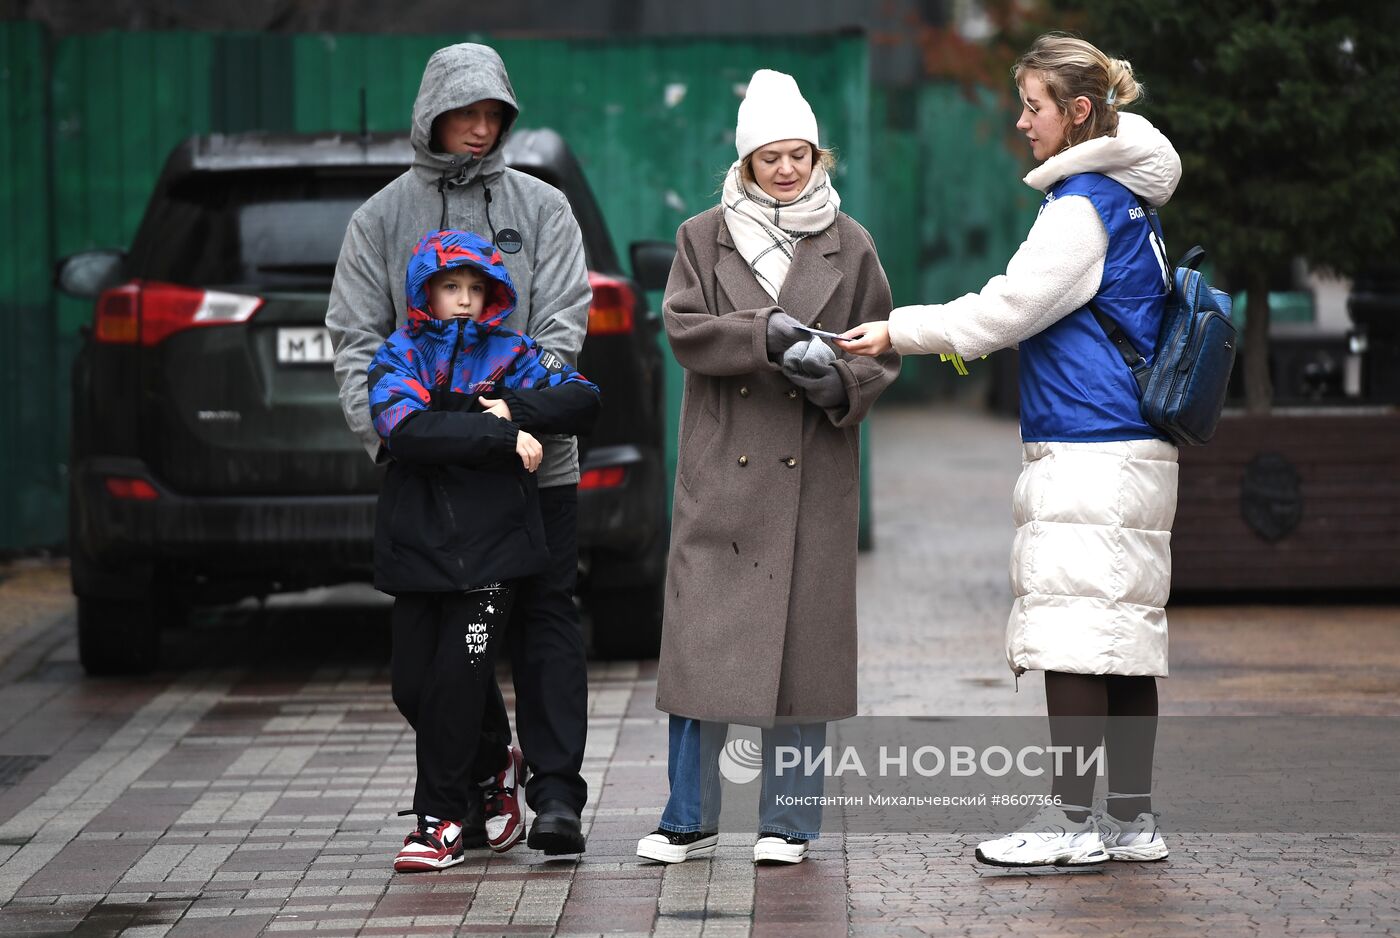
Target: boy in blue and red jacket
x=458, y=400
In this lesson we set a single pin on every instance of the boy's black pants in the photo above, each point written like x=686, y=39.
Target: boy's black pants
x=549, y=668
x=443, y=671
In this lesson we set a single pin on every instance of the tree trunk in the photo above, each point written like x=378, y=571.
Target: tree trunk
x=1258, y=388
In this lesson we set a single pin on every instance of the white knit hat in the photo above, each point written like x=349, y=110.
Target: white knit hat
x=773, y=109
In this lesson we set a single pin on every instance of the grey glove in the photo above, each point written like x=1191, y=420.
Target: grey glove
x=783, y=331
x=811, y=366
x=810, y=356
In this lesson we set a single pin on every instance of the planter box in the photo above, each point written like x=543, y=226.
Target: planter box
x=1301, y=499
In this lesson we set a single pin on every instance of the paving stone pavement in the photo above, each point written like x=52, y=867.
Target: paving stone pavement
x=251, y=788
x=933, y=602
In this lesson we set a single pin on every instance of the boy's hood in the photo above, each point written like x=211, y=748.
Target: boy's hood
x=454, y=77
x=1139, y=156
x=447, y=249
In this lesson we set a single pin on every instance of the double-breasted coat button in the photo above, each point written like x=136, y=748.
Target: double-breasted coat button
x=743, y=460
x=792, y=392
x=790, y=462
x=743, y=392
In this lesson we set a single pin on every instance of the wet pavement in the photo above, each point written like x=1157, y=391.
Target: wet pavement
x=251, y=786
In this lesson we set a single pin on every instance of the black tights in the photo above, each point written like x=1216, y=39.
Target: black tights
x=1120, y=712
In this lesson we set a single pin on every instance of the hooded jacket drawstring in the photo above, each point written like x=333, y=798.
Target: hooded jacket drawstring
x=486, y=191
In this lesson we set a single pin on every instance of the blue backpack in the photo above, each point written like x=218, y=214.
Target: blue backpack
x=1182, y=391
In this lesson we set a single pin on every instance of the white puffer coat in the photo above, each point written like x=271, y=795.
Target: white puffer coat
x=1091, y=565
x=1091, y=562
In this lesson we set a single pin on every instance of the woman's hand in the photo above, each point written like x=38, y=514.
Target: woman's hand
x=783, y=333
x=499, y=408
x=869, y=338
x=529, y=450
x=811, y=365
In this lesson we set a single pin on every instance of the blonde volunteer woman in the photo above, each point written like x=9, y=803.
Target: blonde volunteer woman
x=1091, y=565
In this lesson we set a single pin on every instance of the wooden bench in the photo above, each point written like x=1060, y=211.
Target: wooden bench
x=1301, y=499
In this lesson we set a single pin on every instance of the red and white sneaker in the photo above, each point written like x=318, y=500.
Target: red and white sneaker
x=504, y=797
x=433, y=845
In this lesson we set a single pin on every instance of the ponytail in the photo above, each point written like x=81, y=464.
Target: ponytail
x=1072, y=68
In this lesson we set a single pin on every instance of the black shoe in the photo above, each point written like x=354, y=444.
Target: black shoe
x=666, y=846
x=783, y=837
x=779, y=848
x=556, y=831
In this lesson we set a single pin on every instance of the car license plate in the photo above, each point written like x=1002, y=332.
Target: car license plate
x=304, y=346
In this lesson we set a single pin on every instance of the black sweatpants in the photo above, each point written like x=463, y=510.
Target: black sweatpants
x=443, y=671
x=548, y=666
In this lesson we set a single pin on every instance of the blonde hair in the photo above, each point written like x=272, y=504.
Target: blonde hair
x=825, y=158
x=1072, y=68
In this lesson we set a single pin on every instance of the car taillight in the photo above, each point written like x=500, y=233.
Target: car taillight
x=116, y=319
x=612, y=308
x=132, y=489
x=604, y=477
x=149, y=312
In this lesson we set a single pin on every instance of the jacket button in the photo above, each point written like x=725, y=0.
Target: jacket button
x=819, y=325
x=790, y=462
x=743, y=460
x=743, y=392
x=792, y=393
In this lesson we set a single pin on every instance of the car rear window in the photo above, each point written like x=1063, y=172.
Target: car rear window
x=281, y=229
x=265, y=230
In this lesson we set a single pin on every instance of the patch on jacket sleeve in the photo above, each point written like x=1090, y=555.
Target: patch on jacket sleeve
x=552, y=363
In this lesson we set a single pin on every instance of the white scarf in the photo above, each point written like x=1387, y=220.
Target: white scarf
x=766, y=231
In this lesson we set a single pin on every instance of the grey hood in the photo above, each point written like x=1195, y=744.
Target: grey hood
x=441, y=190
x=455, y=77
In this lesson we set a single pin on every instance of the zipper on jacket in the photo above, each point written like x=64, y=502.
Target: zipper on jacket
x=452, y=364
x=442, y=194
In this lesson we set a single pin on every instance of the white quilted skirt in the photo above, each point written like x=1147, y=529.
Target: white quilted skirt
x=1091, y=563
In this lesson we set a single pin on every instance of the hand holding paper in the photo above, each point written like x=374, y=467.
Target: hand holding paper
x=811, y=366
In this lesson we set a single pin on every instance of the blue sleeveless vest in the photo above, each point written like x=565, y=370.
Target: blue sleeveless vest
x=1074, y=384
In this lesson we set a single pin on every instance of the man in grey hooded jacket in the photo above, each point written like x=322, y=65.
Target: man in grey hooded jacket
x=463, y=114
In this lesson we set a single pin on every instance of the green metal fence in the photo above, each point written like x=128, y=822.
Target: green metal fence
x=87, y=121
x=33, y=395
x=951, y=208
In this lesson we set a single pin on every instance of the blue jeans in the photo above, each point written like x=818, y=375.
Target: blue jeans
x=693, y=770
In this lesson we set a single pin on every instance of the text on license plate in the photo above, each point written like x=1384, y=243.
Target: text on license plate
x=296, y=346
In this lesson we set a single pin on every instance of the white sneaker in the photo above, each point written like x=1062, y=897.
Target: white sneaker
x=1138, y=840
x=1050, y=838
x=775, y=848
x=433, y=845
x=665, y=846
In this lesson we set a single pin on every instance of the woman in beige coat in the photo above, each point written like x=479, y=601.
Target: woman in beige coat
x=760, y=622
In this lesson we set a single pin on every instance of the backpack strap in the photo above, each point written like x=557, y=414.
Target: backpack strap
x=1192, y=258
x=1131, y=356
